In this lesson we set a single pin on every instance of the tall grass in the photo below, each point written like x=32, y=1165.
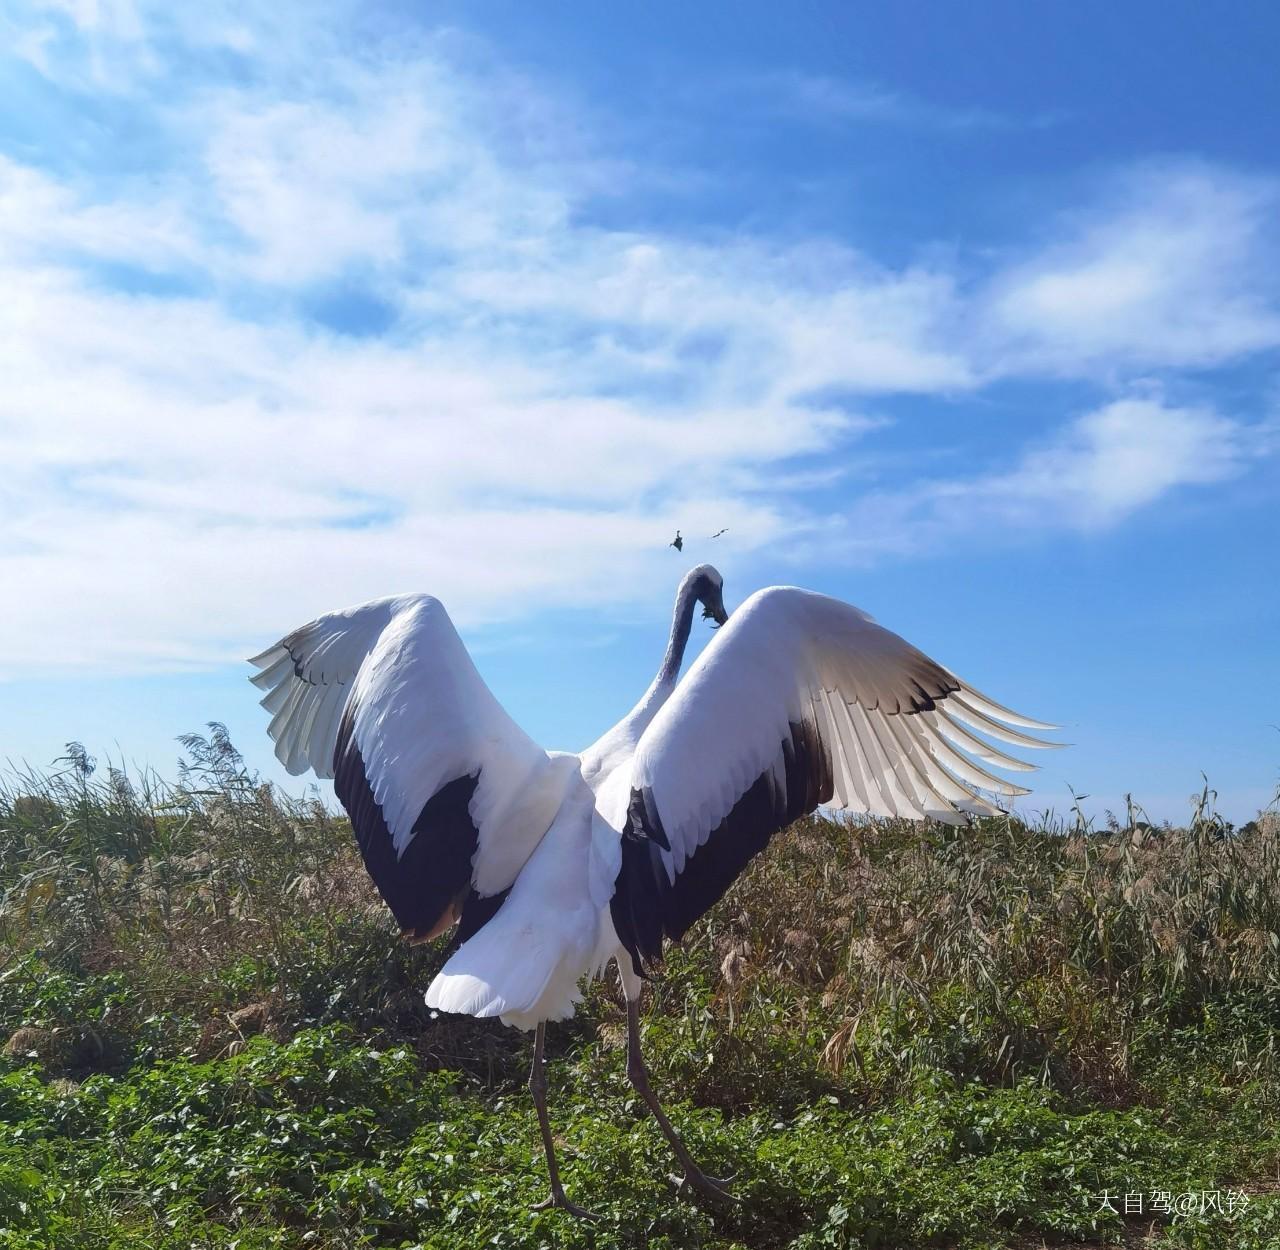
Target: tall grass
x=96, y=863
x=999, y=950
x=1056, y=950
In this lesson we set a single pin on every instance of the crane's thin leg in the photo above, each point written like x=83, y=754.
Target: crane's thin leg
x=538, y=1088
x=693, y=1175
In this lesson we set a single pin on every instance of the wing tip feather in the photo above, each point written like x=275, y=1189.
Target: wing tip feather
x=984, y=703
x=264, y=659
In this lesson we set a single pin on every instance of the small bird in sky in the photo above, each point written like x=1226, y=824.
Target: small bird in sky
x=719, y=532
x=677, y=542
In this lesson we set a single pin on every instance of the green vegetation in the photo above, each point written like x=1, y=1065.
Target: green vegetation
x=891, y=1036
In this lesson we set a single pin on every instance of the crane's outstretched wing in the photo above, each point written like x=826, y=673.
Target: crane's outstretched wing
x=446, y=794
x=800, y=700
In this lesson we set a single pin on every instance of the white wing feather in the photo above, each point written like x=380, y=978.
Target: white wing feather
x=896, y=724
x=308, y=675
x=421, y=716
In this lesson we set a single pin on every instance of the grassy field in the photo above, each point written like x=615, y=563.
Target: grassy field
x=891, y=1036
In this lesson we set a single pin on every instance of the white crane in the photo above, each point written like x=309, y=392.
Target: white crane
x=551, y=864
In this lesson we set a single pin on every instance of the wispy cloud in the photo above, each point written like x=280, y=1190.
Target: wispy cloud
x=538, y=402
x=822, y=100
x=1093, y=473
x=1174, y=265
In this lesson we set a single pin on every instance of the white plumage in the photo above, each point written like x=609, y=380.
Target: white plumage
x=421, y=717
x=552, y=864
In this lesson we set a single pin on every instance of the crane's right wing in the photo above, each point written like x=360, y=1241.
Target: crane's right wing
x=446, y=794
x=800, y=700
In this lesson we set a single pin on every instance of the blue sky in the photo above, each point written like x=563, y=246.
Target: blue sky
x=968, y=316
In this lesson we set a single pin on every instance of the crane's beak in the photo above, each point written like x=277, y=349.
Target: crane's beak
x=714, y=611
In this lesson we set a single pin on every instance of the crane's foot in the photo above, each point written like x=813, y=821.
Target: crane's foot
x=556, y=1199
x=712, y=1187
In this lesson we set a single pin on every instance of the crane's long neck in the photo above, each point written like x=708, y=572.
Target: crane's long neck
x=618, y=745
x=681, y=623
x=665, y=680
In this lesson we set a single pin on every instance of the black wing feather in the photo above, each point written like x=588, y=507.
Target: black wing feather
x=648, y=906
x=434, y=872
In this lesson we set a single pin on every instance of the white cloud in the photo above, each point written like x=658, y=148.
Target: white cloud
x=187, y=475
x=1177, y=267
x=1125, y=456
x=181, y=482
x=818, y=98
x=39, y=214
x=1102, y=467
x=383, y=165
x=119, y=18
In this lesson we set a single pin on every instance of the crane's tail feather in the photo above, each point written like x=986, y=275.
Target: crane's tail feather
x=521, y=982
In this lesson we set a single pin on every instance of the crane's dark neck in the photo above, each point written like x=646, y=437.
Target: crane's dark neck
x=681, y=623
x=626, y=733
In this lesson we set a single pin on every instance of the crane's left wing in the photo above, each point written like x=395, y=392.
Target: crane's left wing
x=447, y=795
x=800, y=700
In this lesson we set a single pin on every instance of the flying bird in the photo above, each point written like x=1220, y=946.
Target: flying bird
x=719, y=532
x=677, y=542
x=549, y=865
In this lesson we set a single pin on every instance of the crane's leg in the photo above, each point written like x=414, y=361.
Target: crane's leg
x=694, y=1177
x=538, y=1088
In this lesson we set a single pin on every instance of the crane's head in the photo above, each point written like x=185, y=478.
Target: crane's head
x=708, y=586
